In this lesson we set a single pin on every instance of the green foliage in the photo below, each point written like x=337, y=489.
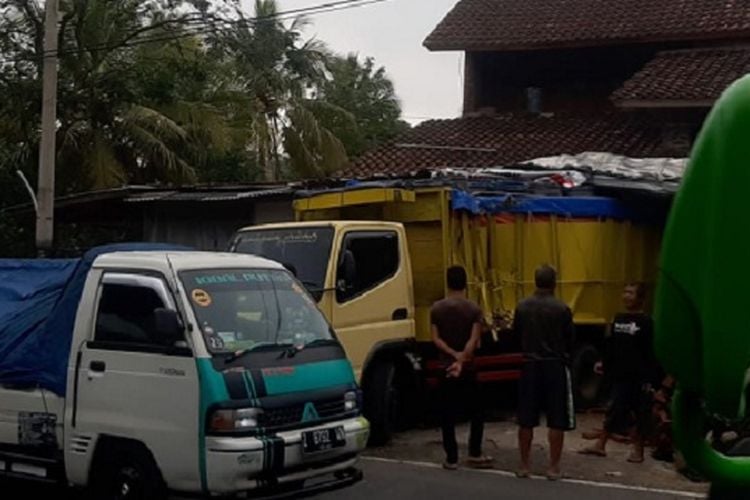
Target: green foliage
x=146, y=97
x=368, y=95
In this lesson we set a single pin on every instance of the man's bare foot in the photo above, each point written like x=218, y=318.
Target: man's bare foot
x=480, y=462
x=554, y=474
x=592, y=435
x=620, y=438
x=593, y=451
x=635, y=457
x=523, y=473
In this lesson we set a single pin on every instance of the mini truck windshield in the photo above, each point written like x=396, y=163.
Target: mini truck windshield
x=243, y=309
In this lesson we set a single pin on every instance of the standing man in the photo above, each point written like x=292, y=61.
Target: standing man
x=545, y=325
x=456, y=329
x=631, y=364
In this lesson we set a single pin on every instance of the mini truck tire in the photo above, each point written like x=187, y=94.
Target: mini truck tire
x=126, y=471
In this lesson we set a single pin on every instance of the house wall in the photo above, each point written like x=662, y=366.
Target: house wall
x=210, y=225
x=270, y=211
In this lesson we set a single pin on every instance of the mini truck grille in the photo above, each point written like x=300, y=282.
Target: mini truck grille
x=276, y=419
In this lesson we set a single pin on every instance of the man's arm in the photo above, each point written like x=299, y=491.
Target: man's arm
x=440, y=343
x=600, y=367
x=570, y=334
x=473, y=343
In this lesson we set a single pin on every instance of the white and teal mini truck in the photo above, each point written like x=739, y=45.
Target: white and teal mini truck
x=140, y=370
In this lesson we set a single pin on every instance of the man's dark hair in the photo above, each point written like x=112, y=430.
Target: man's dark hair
x=640, y=289
x=456, y=277
x=545, y=277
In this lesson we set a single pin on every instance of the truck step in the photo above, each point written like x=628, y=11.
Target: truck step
x=31, y=466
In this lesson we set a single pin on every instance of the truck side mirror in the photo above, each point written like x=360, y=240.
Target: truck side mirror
x=168, y=327
x=347, y=272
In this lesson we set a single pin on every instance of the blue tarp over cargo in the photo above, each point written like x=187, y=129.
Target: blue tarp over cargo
x=566, y=206
x=38, y=304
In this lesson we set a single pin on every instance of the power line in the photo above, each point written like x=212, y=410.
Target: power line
x=206, y=26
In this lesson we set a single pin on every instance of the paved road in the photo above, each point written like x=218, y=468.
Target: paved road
x=393, y=481
x=400, y=481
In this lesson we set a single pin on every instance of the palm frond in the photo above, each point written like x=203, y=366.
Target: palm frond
x=74, y=135
x=102, y=165
x=152, y=120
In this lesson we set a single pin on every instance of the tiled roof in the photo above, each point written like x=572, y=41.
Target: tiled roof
x=699, y=75
x=496, y=141
x=529, y=24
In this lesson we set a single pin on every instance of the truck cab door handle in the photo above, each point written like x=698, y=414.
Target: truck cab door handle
x=97, y=366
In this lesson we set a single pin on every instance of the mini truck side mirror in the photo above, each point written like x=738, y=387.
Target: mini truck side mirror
x=346, y=272
x=168, y=327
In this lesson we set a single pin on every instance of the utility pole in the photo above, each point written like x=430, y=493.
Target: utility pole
x=47, y=147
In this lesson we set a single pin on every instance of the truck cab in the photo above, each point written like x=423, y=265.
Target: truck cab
x=360, y=274
x=187, y=371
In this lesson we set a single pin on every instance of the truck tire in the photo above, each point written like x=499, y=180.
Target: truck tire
x=586, y=384
x=127, y=472
x=381, y=402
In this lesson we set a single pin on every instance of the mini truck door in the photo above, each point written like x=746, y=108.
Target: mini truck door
x=135, y=385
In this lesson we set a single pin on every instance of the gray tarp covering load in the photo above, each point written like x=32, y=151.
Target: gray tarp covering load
x=606, y=170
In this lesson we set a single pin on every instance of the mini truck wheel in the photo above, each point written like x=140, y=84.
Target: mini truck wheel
x=127, y=472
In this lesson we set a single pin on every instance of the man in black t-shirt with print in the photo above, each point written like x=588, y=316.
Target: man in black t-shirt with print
x=630, y=363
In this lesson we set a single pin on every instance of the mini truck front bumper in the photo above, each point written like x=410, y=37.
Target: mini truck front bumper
x=237, y=464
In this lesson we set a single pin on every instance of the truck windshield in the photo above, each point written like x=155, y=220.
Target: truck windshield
x=241, y=309
x=304, y=251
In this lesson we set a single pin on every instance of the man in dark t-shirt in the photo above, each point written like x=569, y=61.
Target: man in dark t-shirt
x=456, y=329
x=631, y=365
x=545, y=325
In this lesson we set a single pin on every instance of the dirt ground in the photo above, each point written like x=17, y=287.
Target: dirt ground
x=425, y=445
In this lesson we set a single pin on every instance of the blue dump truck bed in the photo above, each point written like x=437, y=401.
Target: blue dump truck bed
x=38, y=304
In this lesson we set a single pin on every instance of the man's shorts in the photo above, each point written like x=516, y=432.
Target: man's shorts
x=545, y=388
x=630, y=405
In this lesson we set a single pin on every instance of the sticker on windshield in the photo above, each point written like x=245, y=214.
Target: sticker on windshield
x=229, y=278
x=201, y=297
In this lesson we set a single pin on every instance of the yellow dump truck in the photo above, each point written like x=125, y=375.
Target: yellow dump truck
x=375, y=259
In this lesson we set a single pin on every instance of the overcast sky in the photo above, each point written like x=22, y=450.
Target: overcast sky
x=429, y=84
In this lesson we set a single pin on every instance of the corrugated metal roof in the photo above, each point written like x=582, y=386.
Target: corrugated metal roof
x=208, y=195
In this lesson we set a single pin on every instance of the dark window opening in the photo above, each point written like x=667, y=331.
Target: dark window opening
x=126, y=315
x=367, y=259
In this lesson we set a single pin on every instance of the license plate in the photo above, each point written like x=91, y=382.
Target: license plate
x=323, y=439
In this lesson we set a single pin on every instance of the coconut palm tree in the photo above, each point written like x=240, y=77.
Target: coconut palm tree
x=128, y=111
x=276, y=70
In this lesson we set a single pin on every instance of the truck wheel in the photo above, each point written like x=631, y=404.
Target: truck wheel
x=128, y=473
x=586, y=383
x=381, y=402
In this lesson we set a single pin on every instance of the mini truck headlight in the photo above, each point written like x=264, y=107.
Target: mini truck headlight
x=350, y=401
x=232, y=420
